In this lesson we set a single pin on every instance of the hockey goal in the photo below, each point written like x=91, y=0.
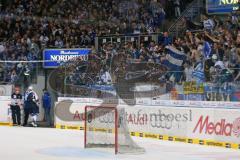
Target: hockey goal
x=106, y=127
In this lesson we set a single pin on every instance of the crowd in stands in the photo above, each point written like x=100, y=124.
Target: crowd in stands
x=76, y=23
x=29, y=26
x=209, y=55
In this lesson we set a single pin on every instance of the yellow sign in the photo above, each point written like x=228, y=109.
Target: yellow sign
x=193, y=88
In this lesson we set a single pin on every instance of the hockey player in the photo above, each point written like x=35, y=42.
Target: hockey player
x=31, y=106
x=16, y=102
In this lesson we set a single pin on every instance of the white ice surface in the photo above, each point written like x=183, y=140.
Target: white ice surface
x=18, y=143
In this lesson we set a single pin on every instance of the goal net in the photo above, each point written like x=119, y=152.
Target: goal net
x=106, y=127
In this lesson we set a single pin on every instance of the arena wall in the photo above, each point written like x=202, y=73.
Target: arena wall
x=204, y=123
x=5, y=113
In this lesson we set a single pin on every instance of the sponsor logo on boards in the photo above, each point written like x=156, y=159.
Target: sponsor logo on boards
x=221, y=127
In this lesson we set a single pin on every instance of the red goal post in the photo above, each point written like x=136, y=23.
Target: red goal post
x=106, y=127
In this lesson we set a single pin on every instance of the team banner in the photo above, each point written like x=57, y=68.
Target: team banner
x=55, y=57
x=222, y=6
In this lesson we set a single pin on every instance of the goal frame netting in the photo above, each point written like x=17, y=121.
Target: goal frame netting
x=115, y=125
x=106, y=127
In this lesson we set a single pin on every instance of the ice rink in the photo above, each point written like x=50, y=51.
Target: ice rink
x=17, y=143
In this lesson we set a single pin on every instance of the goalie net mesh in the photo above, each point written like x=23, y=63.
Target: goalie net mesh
x=106, y=127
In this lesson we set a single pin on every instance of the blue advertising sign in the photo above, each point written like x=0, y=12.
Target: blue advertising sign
x=221, y=6
x=54, y=57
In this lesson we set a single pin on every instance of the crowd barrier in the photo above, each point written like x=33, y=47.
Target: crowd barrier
x=5, y=112
x=204, y=123
x=186, y=91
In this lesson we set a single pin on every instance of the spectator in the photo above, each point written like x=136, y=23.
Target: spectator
x=165, y=39
x=58, y=43
x=188, y=72
x=77, y=24
x=106, y=77
x=207, y=49
x=208, y=24
x=13, y=76
x=177, y=8
x=46, y=101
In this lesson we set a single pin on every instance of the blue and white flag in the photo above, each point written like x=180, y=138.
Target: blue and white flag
x=207, y=49
x=198, y=73
x=174, y=58
x=208, y=24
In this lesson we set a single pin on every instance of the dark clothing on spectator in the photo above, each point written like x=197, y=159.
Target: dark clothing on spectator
x=46, y=99
x=164, y=40
x=208, y=64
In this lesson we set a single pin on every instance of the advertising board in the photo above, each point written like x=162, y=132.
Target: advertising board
x=54, y=57
x=221, y=6
x=210, y=126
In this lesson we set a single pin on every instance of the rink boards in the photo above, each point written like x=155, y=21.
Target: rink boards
x=212, y=126
x=5, y=112
x=204, y=123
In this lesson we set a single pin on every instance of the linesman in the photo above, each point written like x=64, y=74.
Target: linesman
x=15, y=106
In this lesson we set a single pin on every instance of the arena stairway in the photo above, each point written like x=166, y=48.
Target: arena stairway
x=192, y=12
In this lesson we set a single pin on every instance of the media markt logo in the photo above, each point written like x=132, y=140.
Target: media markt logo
x=221, y=128
x=236, y=127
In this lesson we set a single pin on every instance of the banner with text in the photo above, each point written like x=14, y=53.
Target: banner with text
x=222, y=6
x=216, y=124
x=54, y=57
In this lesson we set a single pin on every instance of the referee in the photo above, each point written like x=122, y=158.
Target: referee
x=16, y=101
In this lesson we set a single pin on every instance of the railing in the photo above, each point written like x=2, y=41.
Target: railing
x=186, y=91
x=162, y=90
x=137, y=39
